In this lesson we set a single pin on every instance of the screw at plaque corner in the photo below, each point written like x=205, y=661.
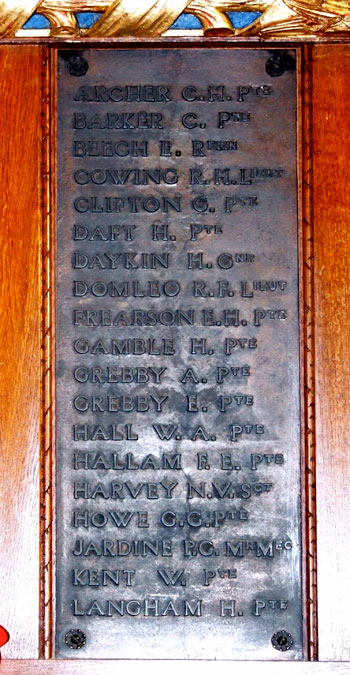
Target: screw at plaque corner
x=282, y=640
x=279, y=63
x=77, y=65
x=75, y=638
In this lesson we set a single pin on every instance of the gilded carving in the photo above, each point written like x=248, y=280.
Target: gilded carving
x=14, y=14
x=278, y=18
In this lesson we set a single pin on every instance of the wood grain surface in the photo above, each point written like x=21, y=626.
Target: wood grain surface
x=20, y=297
x=113, y=667
x=331, y=208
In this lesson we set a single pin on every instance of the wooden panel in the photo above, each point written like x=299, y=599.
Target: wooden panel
x=92, y=667
x=20, y=140
x=21, y=85
x=331, y=203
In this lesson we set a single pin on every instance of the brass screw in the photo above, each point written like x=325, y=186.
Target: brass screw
x=279, y=63
x=282, y=641
x=77, y=65
x=75, y=638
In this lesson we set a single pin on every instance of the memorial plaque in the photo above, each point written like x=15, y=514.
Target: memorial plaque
x=178, y=383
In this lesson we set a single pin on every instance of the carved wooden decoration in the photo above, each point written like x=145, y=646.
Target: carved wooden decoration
x=147, y=18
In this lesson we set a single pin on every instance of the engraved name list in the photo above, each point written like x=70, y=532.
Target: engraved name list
x=178, y=415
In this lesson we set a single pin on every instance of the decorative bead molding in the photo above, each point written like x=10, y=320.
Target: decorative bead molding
x=150, y=18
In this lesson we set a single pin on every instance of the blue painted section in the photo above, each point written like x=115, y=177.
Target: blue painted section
x=37, y=21
x=87, y=19
x=185, y=21
x=239, y=20
x=242, y=19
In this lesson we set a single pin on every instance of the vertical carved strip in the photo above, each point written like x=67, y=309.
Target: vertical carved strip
x=309, y=354
x=47, y=362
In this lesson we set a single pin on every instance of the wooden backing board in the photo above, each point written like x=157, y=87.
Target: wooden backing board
x=23, y=85
x=84, y=667
x=331, y=207
x=20, y=207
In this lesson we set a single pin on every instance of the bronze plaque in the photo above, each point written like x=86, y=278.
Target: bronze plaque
x=178, y=395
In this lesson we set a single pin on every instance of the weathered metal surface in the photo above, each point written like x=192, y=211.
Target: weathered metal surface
x=178, y=449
